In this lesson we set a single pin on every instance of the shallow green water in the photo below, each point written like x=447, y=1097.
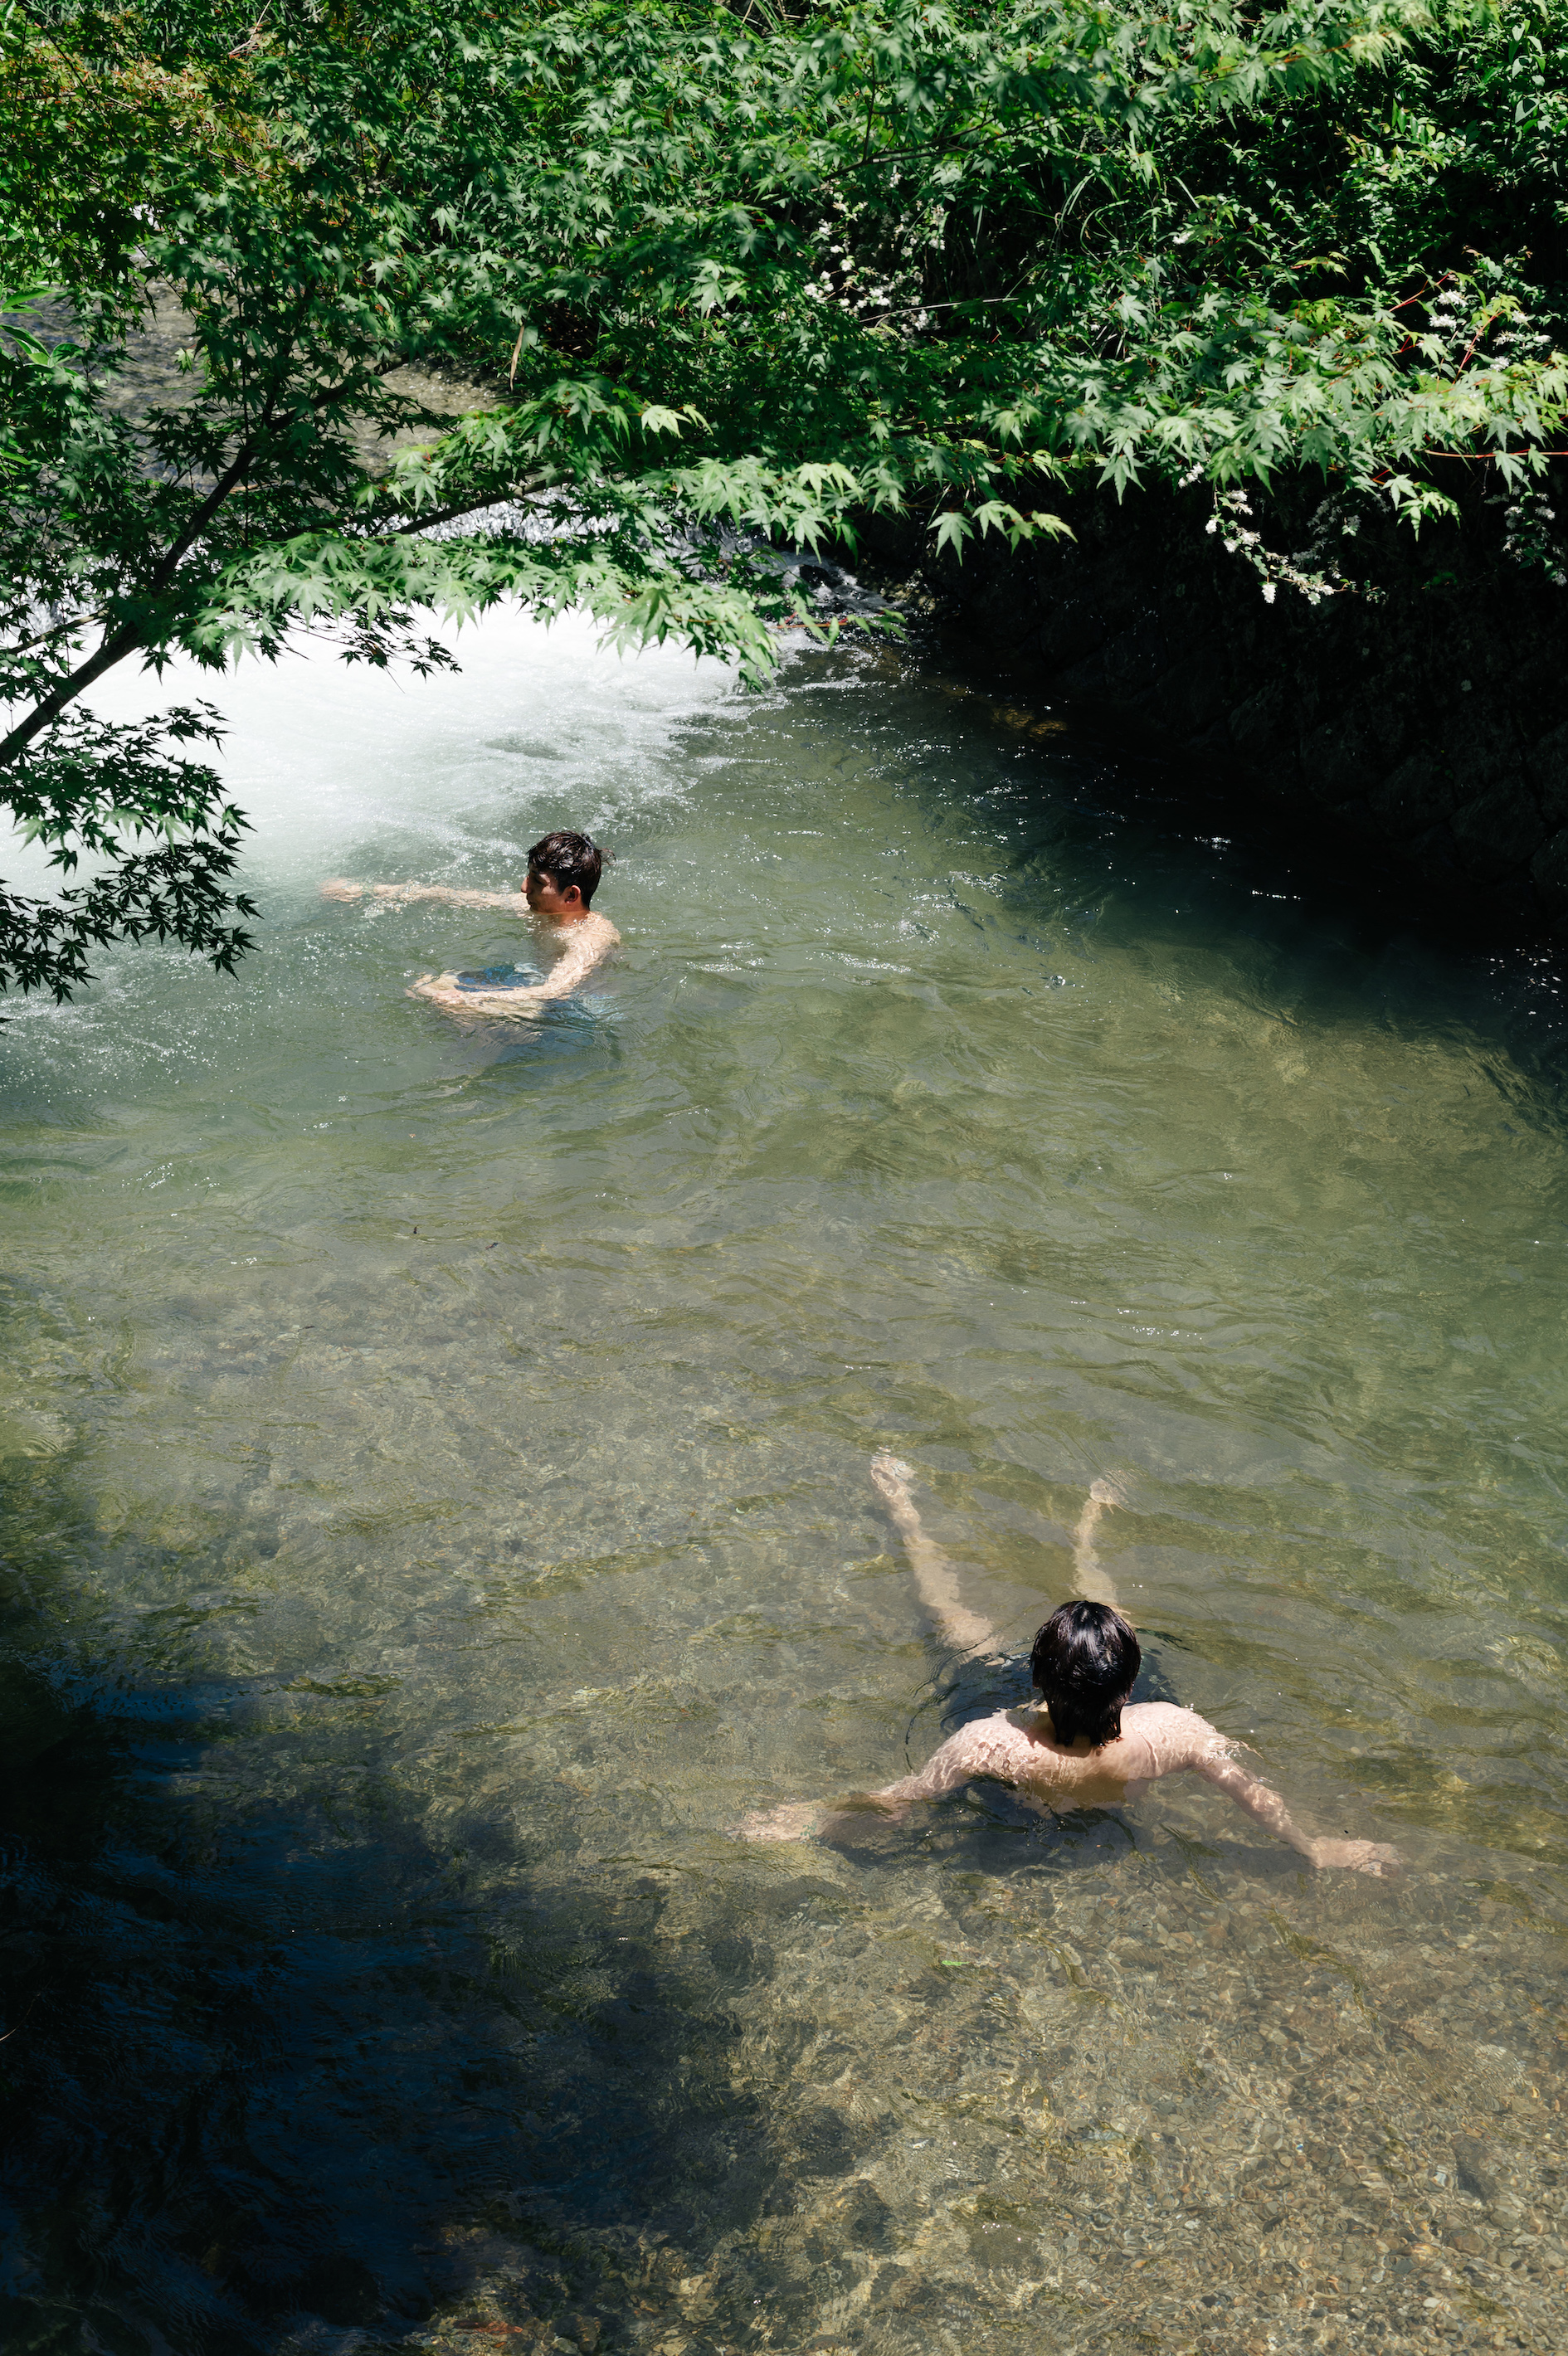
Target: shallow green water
x=438, y=1509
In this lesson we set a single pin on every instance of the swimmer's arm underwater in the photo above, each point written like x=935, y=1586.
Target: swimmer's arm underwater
x=1212, y=1761
x=943, y=1771
x=338, y=887
x=591, y=942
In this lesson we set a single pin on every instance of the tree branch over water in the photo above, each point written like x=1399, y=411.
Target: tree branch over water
x=701, y=288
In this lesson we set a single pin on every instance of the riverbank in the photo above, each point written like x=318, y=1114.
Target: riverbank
x=1419, y=714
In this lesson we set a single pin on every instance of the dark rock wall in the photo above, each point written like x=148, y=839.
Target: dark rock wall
x=1422, y=715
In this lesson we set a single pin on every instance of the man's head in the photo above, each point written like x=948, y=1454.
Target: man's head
x=563, y=874
x=1085, y=1661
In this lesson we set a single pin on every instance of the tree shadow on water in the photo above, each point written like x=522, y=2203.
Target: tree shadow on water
x=282, y=2076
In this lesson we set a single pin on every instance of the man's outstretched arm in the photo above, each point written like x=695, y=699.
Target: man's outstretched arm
x=953, y=1764
x=338, y=887
x=1266, y=1808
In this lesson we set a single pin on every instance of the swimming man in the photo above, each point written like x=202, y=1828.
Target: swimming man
x=1090, y=1746
x=563, y=872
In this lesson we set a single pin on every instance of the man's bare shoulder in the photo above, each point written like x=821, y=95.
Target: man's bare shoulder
x=1162, y=1713
x=586, y=939
x=1003, y=1731
x=1176, y=1736
x=988, y=1746
x=1018, y=1746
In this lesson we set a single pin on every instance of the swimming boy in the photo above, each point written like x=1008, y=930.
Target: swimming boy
x=563, y=872
x=1090, y=1746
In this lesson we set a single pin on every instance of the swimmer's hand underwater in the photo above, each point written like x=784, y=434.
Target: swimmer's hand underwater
x=591, y=942
x=1088, y=1746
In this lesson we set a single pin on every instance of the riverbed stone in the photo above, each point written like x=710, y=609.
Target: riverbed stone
x=1473, y=2164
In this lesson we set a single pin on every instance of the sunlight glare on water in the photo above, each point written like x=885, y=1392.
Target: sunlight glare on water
x=437, y=1510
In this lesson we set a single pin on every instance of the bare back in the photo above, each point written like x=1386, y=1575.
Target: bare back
x=1018, y=1746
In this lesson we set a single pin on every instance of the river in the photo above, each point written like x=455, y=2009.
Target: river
x=436, y=1510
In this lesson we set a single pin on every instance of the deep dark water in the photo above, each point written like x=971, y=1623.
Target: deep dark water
x=268, y=2052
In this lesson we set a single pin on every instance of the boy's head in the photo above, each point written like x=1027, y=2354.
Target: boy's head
x=1085, y=1662
x=563, y=872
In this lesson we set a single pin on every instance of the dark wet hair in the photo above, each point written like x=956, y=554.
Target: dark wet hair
x=1085, y=1661
x=569, y=859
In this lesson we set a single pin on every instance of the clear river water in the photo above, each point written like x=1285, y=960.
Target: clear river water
x=436, y=1510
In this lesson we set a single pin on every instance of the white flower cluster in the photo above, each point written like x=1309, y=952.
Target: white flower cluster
x=1531, y=537
x=1474, y=331
x=1477, y=332
x=888, y=293
x=1312, y=571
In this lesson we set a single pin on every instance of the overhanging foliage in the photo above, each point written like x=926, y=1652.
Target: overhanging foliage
x=729, y=278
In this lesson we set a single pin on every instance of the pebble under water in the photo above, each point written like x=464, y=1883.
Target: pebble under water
x=436, y=1510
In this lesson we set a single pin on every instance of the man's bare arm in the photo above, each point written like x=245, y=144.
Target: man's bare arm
x=1267, y=1808
x=953, y=1762
x=591, y=943
x=944, y=1771
x=338, y=887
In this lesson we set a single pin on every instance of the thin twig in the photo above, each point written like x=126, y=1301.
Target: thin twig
x=23, y=2022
